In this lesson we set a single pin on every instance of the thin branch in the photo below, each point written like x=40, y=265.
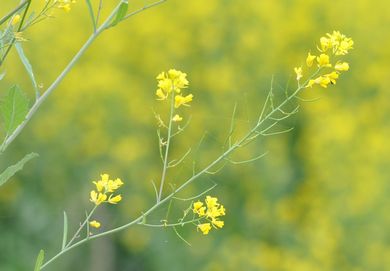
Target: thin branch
x=197, y=196
x=247, y=161
x=174, y=163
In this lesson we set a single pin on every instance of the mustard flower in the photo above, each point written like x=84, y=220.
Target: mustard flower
x=199, y=208
x=182, y=100
x=310, y=59
x=64, y=4
x=332, y=77
x=209, y=212
x=97, y=198
x=298, y=72
x=336, y=41
x=204, y=228
x=173, y=80
x=105, y=187
x=177, y=118
x=323, y=61
x=331, y=45
x=94, y=224
x=218, y=223
x=115, y=199
x=341, y=66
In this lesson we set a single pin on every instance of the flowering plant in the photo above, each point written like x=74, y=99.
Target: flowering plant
x=206, y=215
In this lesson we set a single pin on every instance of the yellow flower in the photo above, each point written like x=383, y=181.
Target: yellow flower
x=160, y=94
x=344, y=47
x=332, y=77
x=323, y=81
x=204, y=228
x=179, y=79
x=115, y=200
x=166, y=85
x=199, y=208
x=65, y=4
x=182, y=100
x=173, y=80
x=97, y=198
x=323, y=61
x=309, y=60
x=325, y=44
x=16, y=19
x=211, y=202
x=341, y=66
x=298, y=72
x=218, y=223
x=114, y=185
x=177, y=118
x=94, y=224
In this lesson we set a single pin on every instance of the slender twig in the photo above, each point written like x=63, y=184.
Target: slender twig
x=169, y=137
x=77, y=233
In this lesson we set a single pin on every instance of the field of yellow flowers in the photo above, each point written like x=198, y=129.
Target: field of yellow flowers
x=316, y=201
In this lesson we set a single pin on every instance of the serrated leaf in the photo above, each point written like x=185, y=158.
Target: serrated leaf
x=39, y=261
x=11, y=170
x=122, y=11
x=13, y=109
x=27, y=65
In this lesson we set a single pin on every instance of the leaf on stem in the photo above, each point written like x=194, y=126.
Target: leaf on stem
x=65, y=234
x=122, y=11
x=13, y=109
x=39, y=261
x=91, y=13
x=27, y=65
x=11, y=170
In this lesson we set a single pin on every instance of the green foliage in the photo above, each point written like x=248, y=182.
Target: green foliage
x=39, y=261
x=27, y=65
x=65, y=231
x=13, y=109
x=122, y=11
x=11, y=170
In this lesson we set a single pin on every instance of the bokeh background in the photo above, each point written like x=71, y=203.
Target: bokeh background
x=318, y=201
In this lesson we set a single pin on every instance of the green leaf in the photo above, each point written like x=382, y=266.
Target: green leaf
x=11, y=170
x=122, y=11
x=39, y=261
x=65, y=235
x=2, y=76
x=27, y=65
x=13, y=109
x=90, y=10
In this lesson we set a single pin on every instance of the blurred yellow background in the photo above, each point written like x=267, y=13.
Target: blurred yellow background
x=317, y=201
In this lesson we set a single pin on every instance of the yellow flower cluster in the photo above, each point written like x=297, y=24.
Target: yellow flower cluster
x=210, y=212
x=105, y=189
x=172, y=83
x=64, y=4
x=331, y=45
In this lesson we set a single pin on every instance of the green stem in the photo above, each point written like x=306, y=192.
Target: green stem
x=165, y=166
x=81, y=227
